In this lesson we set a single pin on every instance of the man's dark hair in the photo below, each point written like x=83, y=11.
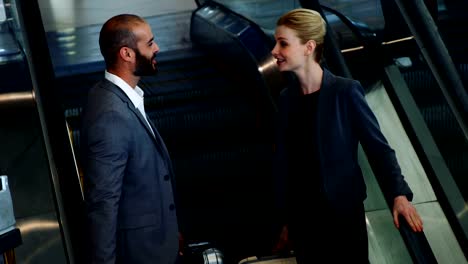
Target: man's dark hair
x=117, y=32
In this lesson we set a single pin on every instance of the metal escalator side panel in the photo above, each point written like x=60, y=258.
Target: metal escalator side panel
x=7, y=217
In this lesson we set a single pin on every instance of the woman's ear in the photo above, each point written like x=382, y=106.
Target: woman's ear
x=310, y=47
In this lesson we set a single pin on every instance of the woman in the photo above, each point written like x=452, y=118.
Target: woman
x=322, y=119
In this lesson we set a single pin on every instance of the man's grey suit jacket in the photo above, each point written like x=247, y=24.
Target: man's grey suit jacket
x=128, y=182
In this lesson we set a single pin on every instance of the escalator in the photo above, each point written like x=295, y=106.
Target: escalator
x=213, y=104
x=437, y=195
x=215, y=114
x=216, y=122
x=416, y=88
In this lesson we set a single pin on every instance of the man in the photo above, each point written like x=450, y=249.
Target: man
x=128, y=176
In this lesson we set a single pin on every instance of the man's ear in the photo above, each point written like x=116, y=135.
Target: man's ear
x=310, y=47
x=126, y=53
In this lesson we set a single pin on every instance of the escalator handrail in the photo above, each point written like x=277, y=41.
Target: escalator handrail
x=418, y=246
x=424, y=29
x=335, y=60
x=361, y=30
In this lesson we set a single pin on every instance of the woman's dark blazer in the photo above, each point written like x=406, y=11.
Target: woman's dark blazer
x=344, y=119
x=128, y=182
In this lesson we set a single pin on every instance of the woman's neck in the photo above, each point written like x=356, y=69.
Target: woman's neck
x=310, y=78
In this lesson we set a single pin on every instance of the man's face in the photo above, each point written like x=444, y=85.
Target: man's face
x=145, y=66
x=145, y=54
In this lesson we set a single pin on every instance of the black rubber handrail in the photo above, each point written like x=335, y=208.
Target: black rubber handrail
x=334, y=59
x=417, y=244
x=425, y=31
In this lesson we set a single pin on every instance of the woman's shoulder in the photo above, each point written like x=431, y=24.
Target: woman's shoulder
x=340, y=84
x=339, y=80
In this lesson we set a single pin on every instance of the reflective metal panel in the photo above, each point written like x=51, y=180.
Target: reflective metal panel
x=42, y=241
x=439, y=234
x=396, y=136
x=385, y=242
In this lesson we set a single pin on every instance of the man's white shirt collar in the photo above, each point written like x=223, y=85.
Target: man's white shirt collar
x=135, y=95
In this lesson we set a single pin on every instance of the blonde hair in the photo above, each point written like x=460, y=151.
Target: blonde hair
x=308, y=25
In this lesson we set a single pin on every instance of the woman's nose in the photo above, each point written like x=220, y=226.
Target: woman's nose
x=273, y=51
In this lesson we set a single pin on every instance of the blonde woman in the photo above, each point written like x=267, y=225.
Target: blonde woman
x=322, y=118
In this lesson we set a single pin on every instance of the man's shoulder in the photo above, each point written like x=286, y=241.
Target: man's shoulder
x=101, y=86
x=104, y=90
x=101, y=96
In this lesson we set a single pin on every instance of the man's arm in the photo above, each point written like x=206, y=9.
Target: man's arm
x=106, y=156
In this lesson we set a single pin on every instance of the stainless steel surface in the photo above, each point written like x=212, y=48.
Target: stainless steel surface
x=7, y=217
x=22, y=157
x=17, y=99
x=393, y=130
x=42, y=240
x=73, y=28
x=212, y=256
x=439, y=234
x=385, y=243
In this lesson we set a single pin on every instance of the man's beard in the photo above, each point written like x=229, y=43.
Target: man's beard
x=144, y=66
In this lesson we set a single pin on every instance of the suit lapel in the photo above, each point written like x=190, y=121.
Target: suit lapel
x=150, y=130
x=140, y=117
x=323, y=113
x=115, y=89
x=162, y=146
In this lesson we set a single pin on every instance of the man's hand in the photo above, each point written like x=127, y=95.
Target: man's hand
x=401, y=206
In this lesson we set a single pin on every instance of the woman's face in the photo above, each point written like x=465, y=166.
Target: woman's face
x=289, y=53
